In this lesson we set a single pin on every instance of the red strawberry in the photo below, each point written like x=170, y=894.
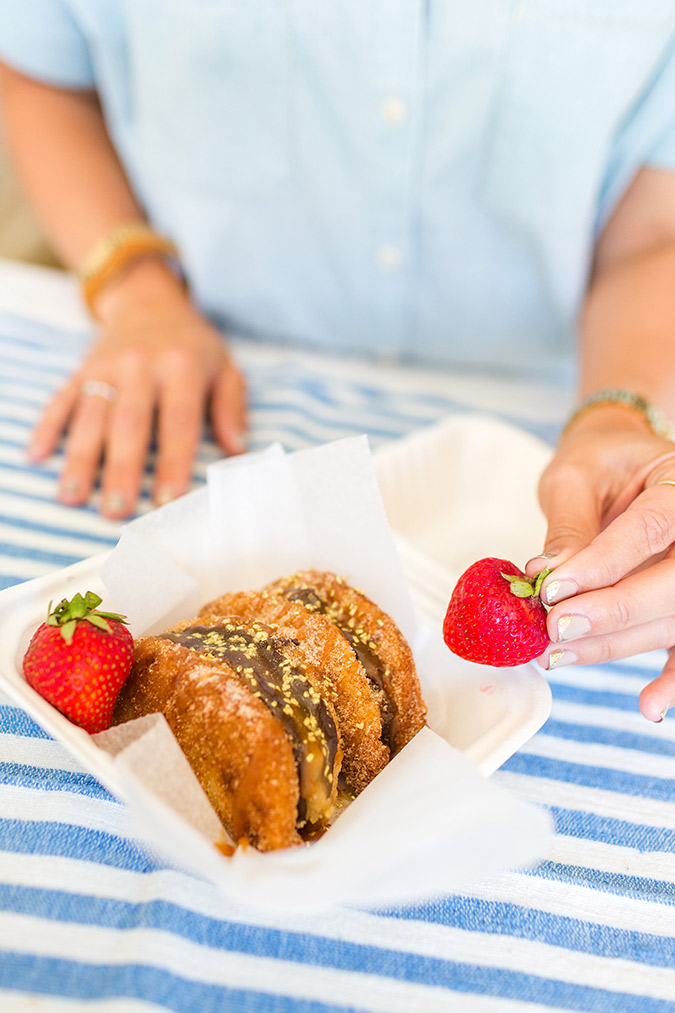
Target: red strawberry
x=495, y=615
x=79, y=660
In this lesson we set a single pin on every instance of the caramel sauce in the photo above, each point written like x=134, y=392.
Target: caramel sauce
x=361, y=644
x=256, y=656
x=226, y=848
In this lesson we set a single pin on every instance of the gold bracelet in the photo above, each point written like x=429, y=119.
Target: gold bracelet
x=111, y=255
x=655, y=419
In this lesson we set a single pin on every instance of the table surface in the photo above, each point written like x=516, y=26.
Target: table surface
x=88, y=919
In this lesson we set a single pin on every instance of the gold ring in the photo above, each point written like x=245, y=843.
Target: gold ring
x=97, y=388
x=666, y=481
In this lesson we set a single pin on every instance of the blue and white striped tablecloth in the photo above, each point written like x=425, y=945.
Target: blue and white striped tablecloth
x=89, y=920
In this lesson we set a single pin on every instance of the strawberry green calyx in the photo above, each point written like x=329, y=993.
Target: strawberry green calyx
x=526, y=587
x=68, y=613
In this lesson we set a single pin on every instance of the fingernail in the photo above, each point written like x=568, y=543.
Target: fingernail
x=571, y=627
x=664, y=712
x=558, y=659
x=114, y=503
x=556, y=590
x=36, y=452
x=69, y=488
x=543, y=555
x=238, y=443
x=164, y=495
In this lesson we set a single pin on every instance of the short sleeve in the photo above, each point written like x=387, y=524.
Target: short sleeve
x=646, y=137
x=661, y=110
x=42, y=39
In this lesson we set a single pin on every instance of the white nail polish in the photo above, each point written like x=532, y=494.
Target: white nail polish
x=70, y=487
x=557, y=659
x=541, y=555
x=570, y=627
x=114, y=503
x=164, y=495
x=556, y=590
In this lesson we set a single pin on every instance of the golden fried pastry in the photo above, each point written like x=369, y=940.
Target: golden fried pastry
x=376, y=641
x=265, y=689
x=259, y=736
x=319, y=648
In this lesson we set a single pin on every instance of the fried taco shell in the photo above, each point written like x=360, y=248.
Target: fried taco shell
x=318, y=647
x=262, y=741
x=376, y=641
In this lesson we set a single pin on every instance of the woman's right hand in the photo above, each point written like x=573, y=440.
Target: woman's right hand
x=609, y=500
x=156, y=365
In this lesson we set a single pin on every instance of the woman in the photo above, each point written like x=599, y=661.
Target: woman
x=482, y=185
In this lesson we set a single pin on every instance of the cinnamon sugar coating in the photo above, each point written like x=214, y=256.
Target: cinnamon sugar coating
x=316, y=645
x=237, y=749
x=259, y=656
x=265, y=689
x=375, y=638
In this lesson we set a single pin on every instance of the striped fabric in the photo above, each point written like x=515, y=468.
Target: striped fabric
x=88, y=919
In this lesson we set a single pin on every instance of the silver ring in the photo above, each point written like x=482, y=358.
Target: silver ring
x=98, y=388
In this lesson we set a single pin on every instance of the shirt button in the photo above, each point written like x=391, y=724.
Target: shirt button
x=388, y=257
x=388, y=357
x=395, y=111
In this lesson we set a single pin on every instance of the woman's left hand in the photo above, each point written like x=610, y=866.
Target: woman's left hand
x=609, y=498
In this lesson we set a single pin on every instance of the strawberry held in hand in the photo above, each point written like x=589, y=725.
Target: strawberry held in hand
x=495, y=615
x=79, y=660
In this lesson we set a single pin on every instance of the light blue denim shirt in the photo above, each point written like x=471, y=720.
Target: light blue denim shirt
x=417, y=178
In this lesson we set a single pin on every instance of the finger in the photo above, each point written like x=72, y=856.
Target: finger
x=644, y=530
x=127, y=442
x=545, y=559
x=573, y=512
x=649, y=636
x=50, y=428
x=228, y=410
x=633, y=601
x=181, y=417
x=84, y=447
x=649, y=474
x=659, y=696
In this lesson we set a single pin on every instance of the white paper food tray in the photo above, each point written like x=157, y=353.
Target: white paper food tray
x=463, y=489
x=488, y=713
x=445, y=489
x=485, y=713
x=449, y=490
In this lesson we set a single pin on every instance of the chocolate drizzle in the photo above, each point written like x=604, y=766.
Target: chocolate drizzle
x=360, y=642
x=255, y=653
